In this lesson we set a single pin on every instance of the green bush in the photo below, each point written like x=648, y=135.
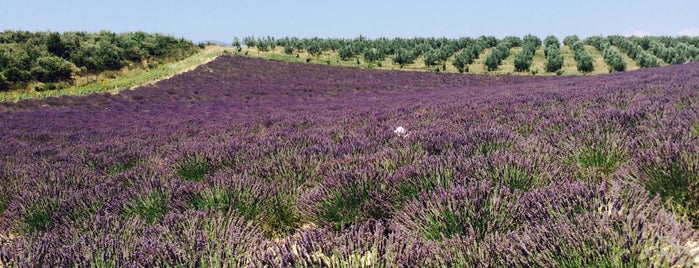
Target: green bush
x=51, y=69
x=551, y=41
x=403, y=57
x=570, y=40
x=613, y=58
x=4, y=84
x=523, y=61
x=584, y=62
x=554, y=59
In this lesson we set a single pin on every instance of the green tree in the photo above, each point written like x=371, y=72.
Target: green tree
x=403, y=57
x=554, y=59
x=4, y=84
x=50, y=69
x=523, y=61
x=55, y=45
x=551, y=40
x=16, y=75
x=570, y=40
x=346, y=52
x=236, y=44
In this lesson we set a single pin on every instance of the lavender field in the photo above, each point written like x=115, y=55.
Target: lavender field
x=256, y=163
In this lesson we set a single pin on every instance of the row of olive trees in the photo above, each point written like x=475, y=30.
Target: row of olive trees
x=524, y=59
x=644, y=58
x=501, y=51
x=552, y=51
x=463, y=51
x=611, y=54
x=670, y=50
x=52, y=57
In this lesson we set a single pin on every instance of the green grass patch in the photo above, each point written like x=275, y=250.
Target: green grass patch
x=678, y=183
x=280, y=216
x=149, y=208
x=444, y=225
x=37, y=217
x=220, y=198
x=193, y=168
x=345, y=207
x=601, y=156
x=430, y=180
x=512, y=177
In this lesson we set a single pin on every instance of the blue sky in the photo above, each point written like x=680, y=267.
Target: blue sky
x=222, y=20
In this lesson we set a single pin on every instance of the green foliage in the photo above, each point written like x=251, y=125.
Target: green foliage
x=149, y=208
x=613, y=59
x=551, y=40
x=570, y=40
x=372, y=55
x=403, y=57
x=224, y=199
x=462, y=60
x=602, y=156
x=531, y=41
x=50, y=69
x=443, y=225
x=193, y=168
x=51, y=57
x=676, y=180
x=346, y=52
x=280, y=216
x=645, y=60
x=37, y=216
x=4, y=84
x=583, y=59
x=17, y=75
x=554, y=59
x=342, y=208
x=423, y=182
x=500, y=52
x=55, y=45
x=523, y=61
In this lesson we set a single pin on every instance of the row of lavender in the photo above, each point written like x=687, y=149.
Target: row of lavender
x=246, y=162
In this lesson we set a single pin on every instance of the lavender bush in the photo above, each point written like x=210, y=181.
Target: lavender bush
x=248, y=162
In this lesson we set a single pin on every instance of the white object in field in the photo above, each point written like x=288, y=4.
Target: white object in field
x=401, y=132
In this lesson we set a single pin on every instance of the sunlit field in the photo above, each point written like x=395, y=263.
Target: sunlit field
x=259, y=163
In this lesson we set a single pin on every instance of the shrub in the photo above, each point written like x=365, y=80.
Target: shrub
x=551, y=40
x=499, y=53
x=403, y=57
x=149, y=208
x=462, y=60
x=469, y=212
x=193, y=168
x=613, y=59
x=346, y=52
x=50, y=69
x=570, y=40
x=523, y=61
x=554, y=59
x=672, y=171
x=37, y=215
x=583, y=59
x=4, y=84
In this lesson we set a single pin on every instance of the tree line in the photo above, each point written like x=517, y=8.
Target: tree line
x=55, y=59
x=461, y=52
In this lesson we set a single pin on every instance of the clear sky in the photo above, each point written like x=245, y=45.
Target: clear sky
x=222, y=20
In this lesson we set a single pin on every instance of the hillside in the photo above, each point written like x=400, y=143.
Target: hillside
x=251, y=162
x=441, y=53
